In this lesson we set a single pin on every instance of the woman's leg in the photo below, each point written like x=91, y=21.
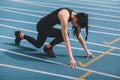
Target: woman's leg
x=37, y=42
x=48, y=49
x=57, y=34
x=42, y=35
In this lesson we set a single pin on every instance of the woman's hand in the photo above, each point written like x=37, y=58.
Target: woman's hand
x=89, y=54
x=72, y=63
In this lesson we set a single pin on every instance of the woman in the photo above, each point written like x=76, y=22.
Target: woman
x=45, y=29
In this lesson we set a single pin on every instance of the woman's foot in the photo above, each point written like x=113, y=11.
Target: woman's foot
x=18, y=38
x=49, y=51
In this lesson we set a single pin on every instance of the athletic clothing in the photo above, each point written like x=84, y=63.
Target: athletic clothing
x=45, y=29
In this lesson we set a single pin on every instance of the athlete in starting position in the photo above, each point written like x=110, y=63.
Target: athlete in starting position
x=45, y=29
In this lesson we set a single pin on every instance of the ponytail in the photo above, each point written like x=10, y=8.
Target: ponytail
x=86, y=33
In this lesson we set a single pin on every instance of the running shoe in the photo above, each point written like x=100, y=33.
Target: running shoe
x=49, y=51
x=17, y=39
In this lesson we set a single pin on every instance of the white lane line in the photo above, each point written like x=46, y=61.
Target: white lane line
x=112, y=0
x=59, y=63
x=76, y=48
x=102, y=19
x=18, y=28
x=76, y=10
x=58, y=5
x=18, y=12
x=106, y=6
x=13, y=27
x=99, y=32
x=112, y=34
x=100, y=73
x=20, y=9
x=104, y=27
x=33, y=23
x=115, y=0
x=20, y=21
x=33, y=3
x=96, y=44
x=41, y=16
x=98, y=2
x=37, y=32
x=37, y=71
x=27, y=10
x=92, y=31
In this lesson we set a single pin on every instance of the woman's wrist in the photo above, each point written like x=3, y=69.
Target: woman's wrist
x=71, y=58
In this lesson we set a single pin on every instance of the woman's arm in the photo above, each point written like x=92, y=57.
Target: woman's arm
x=81, y=40
x=64, y=16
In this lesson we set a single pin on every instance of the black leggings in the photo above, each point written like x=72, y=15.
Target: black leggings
x=42, y=36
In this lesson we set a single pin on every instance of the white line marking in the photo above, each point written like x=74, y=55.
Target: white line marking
x=20, y=9
x=33, y=3
x=7, y=37
x=101, y=73
x=42, y=16
x=102, y=27
x=33, y=23
x=90, y=50
x=104, y=2
x=13, y=20
x=27, y=10
x=104, y=19
x=55, y=4
x=70, y=39
x=100, y=14
x=97, y=44
x=37, y=71
x=17, y=28
x=37, y=32
x=18, y=12
x=76, y=10
x=113, y=34
x=106, y=6
x=79, y=68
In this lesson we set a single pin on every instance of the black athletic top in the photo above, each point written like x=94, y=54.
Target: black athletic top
x=52, y=18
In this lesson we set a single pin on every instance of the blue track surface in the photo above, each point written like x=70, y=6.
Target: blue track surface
x=25, y=62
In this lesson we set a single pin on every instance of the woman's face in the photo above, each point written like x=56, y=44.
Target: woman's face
x=74, y=23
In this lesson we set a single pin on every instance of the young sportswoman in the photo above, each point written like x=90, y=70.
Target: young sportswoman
x=45, y=29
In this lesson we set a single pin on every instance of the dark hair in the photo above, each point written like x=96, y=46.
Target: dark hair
x=82, y=22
